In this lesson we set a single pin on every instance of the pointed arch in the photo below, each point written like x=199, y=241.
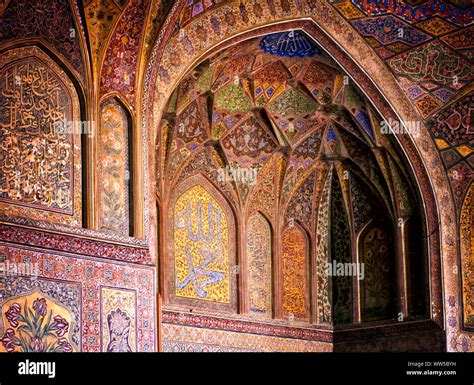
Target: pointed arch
x=201, y=255
x=295, y=272
x=259, y=265
x=45, y=120
x=115, y=174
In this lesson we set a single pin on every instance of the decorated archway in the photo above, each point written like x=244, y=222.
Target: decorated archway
x=175, y=54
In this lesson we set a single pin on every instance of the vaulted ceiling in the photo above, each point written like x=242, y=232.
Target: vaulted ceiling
x=279, y=106
x=427, y=45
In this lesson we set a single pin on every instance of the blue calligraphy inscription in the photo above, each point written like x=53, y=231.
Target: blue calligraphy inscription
x=183, y=221
x=289, y=44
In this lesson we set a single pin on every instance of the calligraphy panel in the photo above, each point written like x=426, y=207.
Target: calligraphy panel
x=295, y=277
x=203, y=247
x=259, y=255
x=114, y=174
x=40, y=160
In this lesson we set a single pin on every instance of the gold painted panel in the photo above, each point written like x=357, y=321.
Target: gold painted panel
x=201, y=247
x=35, y=323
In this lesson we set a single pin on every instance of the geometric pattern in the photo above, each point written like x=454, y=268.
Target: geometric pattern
x=401, y=28
x=418, y=11
x=433, y=65
x=434, y=71
x=268, y=113
x=452, y=130
x=388, y=29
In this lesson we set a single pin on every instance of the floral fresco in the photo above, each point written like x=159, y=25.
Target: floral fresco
x=34, y=323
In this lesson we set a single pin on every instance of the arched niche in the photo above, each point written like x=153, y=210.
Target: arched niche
x=259, y=244
x=324, y=136
x=41, y=129
x=295, y=280
x=164, y=77
x=378, y=288
x=115, y=176
x=201, y=254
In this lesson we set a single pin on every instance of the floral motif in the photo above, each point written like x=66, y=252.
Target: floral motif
x=12, y=314
x=114, y=168
x=40, y=306
x=34, y=331
x=61, y=325
x=9, y=340
x=119, y=329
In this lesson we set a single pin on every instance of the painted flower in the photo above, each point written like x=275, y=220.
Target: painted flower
x=119, y=320
x=119, y=329
x=39, y=305
x=64, y=345
x=452, y=321
x=12, y=314
x=61, y=325
x=9, y=340
x=36, y=344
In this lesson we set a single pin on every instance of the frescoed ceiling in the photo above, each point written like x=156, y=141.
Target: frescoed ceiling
x=276, y=102
x=428, y=45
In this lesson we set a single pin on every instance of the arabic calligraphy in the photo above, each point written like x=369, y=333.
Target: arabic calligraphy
x=35, y=159
x=289, y=44
x=201, y=247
